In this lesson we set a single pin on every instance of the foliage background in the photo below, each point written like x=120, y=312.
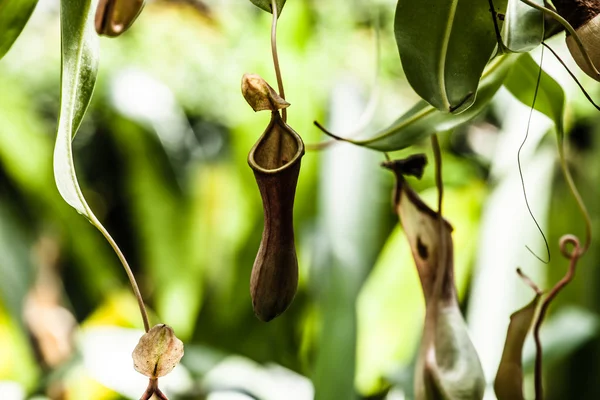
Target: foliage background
x=162, y=157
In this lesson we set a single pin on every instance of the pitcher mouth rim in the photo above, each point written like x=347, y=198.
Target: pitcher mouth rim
x=276, y=118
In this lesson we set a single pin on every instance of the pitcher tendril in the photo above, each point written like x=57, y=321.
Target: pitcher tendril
x=574, y=256
x=560, y=60
x=539, y=228
x=276, y=57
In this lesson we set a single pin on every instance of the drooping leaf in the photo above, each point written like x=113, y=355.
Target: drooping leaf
x=523, y=28
x=14, y=14
x=423, y=120
x=509, y=378
x=80, y=49
x=444, y=47
x=448, y=366
x=550, y=100
x=266, y=5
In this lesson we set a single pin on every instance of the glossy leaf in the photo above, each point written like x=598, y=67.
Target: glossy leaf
x=14, y=14
x=509, y=379
x=550, y=100
x=523, y=28
x=448, y=366
x=266, y=5
x=80, y=49
x=444, y=46
x=422, y=120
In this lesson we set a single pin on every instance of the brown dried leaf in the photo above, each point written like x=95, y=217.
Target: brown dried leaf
x=509, y=378
x=157, y=352
x=448, y=366
x=260, y=95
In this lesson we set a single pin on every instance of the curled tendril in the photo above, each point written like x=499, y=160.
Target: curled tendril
x=573, y=256
x=572, y=240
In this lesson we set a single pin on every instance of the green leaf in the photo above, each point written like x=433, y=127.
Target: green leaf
x=14, y=14
x=444, y=47
x=523, y=26
x=80, y=47
x=422, y=120
x=550, y=100
x=509, y=379
x=266, y=5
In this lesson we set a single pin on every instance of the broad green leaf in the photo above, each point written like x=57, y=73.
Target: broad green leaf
x=509, y=379
x=444, y=47
x=423, y=120
x=80, y=49
x=550, y=100
x=523, y=28
x=266, y=5
x=14, y=14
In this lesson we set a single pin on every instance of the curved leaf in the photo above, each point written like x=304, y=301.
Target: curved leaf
x=423, y=120
x=14, y=14
x=444, y=47
x=80, y=47
x=448, y=366
x=550, y=100
x=509, y=379
x=266, y=5
x=523, y=28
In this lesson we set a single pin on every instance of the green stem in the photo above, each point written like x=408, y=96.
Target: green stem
x=276, y=57
x=132, y=281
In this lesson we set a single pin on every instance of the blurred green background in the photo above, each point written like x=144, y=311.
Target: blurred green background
x=162, y=160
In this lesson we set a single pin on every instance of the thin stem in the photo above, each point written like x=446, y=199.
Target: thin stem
x=574, y=257
x=132, y=281
x=442, y=262
x=276, y=57
x=585, y=93
x=577, y=197
x=569, y=29
x=539, y=228
x=153, y=389
x=437, y=155
x=501, y=47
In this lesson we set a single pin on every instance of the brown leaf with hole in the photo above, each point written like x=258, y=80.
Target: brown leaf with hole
x=157, y=352
x=448, y=366
x=260, y=95
x=508, y=384
x=275, y=160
